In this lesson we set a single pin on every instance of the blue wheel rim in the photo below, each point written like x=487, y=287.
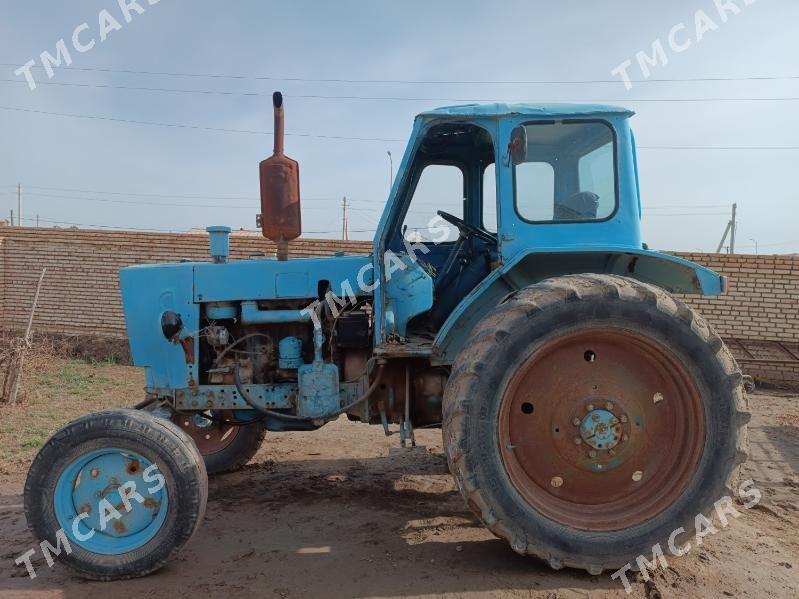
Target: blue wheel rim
x=98, y=492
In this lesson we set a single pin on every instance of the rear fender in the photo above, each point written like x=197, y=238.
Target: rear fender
x=671, y=273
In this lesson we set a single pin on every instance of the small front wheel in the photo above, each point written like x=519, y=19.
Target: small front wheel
x=119, y=491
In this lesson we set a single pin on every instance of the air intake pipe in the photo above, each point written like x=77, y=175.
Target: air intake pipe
x=280, y=217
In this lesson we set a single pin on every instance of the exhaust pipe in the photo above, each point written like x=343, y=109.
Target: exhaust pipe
x=280, y=218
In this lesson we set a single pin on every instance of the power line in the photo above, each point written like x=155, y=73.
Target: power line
x=331, y=199
x=690, y=214
x=378, y=209
x=195, y=127
x=154, y=204
x=332, y=137
x=57, y=222
x=489, y=100
x=214, y=206
x=673, y=206
x=161, y=195
x=409, y=81
x=366, y=210
x=711, y=148
x=253, y=206
x=372, y=98
x=120, y=228
x=779, y=243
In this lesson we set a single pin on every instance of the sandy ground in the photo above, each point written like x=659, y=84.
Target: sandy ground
x=344, y=512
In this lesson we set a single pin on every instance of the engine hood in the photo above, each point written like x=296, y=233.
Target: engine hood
x=290, y=279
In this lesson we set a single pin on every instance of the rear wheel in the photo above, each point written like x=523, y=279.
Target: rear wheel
x=225, y=447
x=590, y=416
x=119, y=492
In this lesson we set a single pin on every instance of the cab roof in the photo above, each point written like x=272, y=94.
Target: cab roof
x=531, y=110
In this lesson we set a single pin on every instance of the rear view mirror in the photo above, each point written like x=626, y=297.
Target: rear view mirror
x=517, y=149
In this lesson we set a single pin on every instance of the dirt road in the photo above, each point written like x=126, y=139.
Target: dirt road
x=345, y=513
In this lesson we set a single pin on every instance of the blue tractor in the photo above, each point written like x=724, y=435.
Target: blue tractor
x=586, y=412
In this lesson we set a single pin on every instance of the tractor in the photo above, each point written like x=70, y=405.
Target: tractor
x=586, y=411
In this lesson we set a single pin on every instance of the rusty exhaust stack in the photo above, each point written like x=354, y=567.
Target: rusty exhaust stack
x=280, y=218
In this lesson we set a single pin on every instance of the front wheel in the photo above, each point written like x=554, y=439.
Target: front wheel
x=116, y=494
x=592, y=415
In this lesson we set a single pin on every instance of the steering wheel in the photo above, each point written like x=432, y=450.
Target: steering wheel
x=465, y=229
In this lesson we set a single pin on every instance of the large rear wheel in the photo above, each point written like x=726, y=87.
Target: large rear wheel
x=590, y=416
x=225, y=447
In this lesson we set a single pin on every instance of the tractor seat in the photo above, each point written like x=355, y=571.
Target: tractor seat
x=582, y=205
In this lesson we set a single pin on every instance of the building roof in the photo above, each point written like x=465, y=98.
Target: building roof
x=532, y=110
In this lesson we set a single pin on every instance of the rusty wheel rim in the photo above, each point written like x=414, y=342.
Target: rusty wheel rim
x=601, y=429
x=210, y=436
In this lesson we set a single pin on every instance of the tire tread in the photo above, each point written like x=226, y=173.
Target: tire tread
x=519, y=307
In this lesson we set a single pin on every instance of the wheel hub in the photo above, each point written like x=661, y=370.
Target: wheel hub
x=601, y=429
x=201, y=422
x=210, y=435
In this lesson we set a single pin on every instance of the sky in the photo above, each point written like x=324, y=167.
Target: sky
x=131, y=175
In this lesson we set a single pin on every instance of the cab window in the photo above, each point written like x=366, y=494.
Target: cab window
x=564, y=171
x=440, y=187
x=490, y=198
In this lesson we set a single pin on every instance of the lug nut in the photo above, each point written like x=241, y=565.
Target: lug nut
x=638, y=475
x=590, y=407
x=556, y=481
x=658, y=397
x=624, y=417
x=609, y=406
x=592, y=454
x=577, y=422
x=577, y=440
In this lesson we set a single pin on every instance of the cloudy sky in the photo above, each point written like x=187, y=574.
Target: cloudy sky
x=134, y=175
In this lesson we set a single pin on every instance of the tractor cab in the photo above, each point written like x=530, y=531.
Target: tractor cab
x=480, y=186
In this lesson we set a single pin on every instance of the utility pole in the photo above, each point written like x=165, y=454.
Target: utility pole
x=37, y=221
x=344, y=228
x=390, y=170
x=19, y=204
x=11, y=222
x=730, y=230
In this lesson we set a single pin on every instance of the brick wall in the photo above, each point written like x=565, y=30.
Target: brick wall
x=81, y=295
x=81, y=291
x=759, y=315
x=763, y=298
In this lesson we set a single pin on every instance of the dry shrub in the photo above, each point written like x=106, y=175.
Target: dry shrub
x=80, y=347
